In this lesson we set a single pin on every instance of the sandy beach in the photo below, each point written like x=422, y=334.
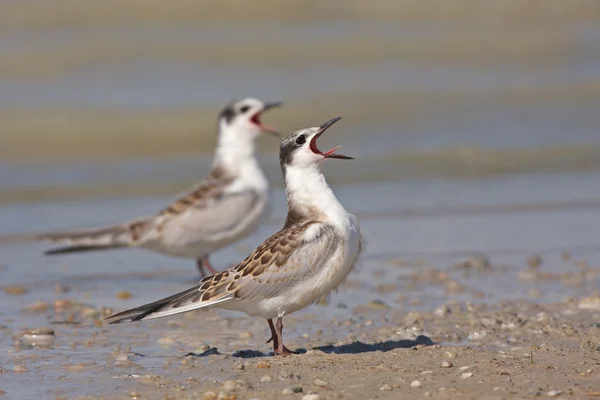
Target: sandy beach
x=379, y=349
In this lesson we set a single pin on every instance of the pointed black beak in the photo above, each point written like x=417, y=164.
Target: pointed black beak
x=328, y=124
x=273, y=104
x=330, y=153
x=267, y=129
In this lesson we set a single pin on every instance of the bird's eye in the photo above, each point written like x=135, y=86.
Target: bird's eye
x=301, y=140
x=244, y=109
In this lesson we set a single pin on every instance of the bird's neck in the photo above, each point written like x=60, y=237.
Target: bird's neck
x=310, y=197
x=236, y=153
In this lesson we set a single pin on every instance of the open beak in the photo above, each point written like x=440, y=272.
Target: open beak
x=265, y=128
x=330, y=153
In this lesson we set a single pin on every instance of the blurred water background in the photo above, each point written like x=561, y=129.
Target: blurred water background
x=474, y=124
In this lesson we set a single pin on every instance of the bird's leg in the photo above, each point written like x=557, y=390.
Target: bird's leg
x=209, y=266
x=203, y=263
x=200, y=265
x=281, y=350
x=273, y=335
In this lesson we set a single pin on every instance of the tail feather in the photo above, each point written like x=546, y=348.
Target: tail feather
x=81, y=249
x=187, y=300
x=84, y=234
x=105, y=238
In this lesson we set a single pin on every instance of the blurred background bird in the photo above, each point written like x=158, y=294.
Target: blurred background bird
x=228, y=205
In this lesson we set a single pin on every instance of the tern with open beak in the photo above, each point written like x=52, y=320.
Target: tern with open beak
x=228, y=205
x=310, y=256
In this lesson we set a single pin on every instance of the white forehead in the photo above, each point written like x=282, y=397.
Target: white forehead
x=249, y=101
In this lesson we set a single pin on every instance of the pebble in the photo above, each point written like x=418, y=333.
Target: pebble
x=120, y=355
x=124, y=295
x=166, y=341
x=15, y=290
x=2, y=392
x=203, y=348
x=477, y=335
x=554, y=393
x=320, y=382
x=415, y=384
x=246, y=335
x=442, y=311
x=175, y=324
x=466, y=367
x=466, y=375
x=263, y=365
x=20, y=368
x=292, y=390
x=60, y=289
x=386, y=387
x=386, y=288
x=210, y=395
x=63, y=304
x=39, y=307
x=38, y=337
x=528, y=275
x=454, y=287
x=447, y=364
x=134, y=395
x=379, y=304
x=266, y=378
x=479, y=262
x=238, y=366
x=310, y=396
x=590, y=303
x=285, y=374
x=534, y=261
x=230, y=386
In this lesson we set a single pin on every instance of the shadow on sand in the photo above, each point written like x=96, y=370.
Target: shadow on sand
x=352, y=348
x=360, y=347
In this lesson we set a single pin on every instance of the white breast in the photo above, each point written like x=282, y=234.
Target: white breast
x=330, y=275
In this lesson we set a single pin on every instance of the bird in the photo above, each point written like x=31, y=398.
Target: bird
x=228, y=205
x=319, y=245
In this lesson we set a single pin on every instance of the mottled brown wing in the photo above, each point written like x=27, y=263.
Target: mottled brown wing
x=282, y=261
x=200, y=195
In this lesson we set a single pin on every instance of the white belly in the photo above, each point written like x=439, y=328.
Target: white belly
x=307, y=292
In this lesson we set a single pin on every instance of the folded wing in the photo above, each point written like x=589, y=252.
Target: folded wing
x=287, y=258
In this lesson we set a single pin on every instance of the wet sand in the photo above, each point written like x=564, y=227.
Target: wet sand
x=513, y=349
x=513, y=312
